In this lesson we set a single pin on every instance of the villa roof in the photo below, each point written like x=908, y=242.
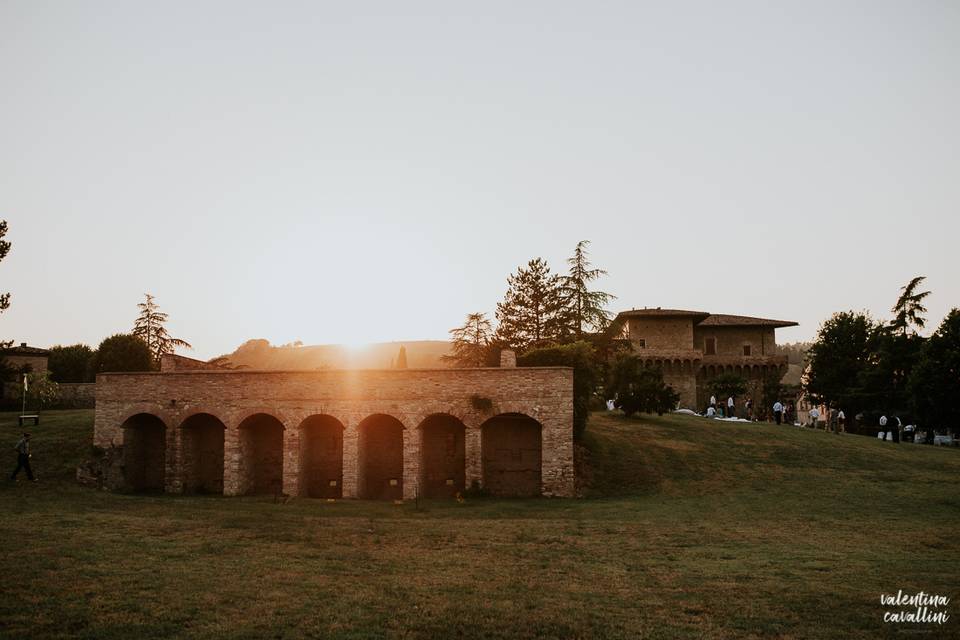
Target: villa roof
x=662, y=313
x=24, y=350
x=726, y=320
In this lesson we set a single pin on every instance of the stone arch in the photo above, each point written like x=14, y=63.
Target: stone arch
x=261, y=454
x=144, y=452
x=202, y=438
x=442, y=456
x=380, y=457
x=511, y=447
x=321, y=456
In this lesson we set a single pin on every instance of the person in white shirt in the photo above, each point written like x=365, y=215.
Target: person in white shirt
x=841, y=422
x=713, y=401
x=711, y=412
x=814, y=416
x=731, y=408
x=777, y=411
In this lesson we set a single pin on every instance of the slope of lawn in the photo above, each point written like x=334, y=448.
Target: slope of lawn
x=690, y=529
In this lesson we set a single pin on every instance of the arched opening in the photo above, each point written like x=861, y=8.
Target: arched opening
x=442, y=456
x=321, y=457
x=261, y=455
x=144, y=452
x=511, y=448
x=202, y=454
x=380, y=459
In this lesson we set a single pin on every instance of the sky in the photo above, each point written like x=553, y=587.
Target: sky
x=372, y=171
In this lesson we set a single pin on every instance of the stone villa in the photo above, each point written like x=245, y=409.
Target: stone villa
x=692, y=347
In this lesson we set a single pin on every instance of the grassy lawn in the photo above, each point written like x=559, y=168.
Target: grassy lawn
x=691, y=529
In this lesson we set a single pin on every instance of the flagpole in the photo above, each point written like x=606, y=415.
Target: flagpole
x=23, y=407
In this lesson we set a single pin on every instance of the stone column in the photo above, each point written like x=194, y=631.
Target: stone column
x=556, y=462
x=474, y=460
x=232, y=485
x=291, y=461
x=351, y=451
x=411, y=462
x=173, y=461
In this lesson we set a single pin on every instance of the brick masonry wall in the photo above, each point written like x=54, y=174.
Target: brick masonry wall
x=543, y=393
x=730, y=340
x=662, y=333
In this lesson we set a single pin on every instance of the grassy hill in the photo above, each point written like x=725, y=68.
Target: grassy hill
x=691, y=529
x=260, y=354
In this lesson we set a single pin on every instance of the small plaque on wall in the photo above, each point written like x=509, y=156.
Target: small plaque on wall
x=394, y=482
x=333, y=483
x=449, y=482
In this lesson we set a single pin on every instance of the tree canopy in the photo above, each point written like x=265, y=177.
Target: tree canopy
x=71, y=363
x=529, y=315
x=583, y=309
x=123, y=352
x=470, y=341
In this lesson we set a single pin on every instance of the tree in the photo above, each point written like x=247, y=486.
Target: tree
x=726, y=385
x=470, y=341
x=4, y=298
x=934, y=384
x=401, y=362
x=581, y=357
x=529, y=315
x=41, y=391
x=909, y=307
x=70, y=364
x=4, y=250
x=839, y=360
x=149, y=328
x=635, y=387
x=123, y=352
x=583, y=309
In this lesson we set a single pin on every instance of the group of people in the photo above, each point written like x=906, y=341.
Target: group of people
x=723, y=411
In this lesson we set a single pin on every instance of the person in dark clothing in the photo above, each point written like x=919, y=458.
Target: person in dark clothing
x=23, y=458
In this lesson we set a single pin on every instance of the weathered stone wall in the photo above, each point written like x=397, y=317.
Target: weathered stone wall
x=662, y=333
x=410, y=396
x=77, y=395
x=730, y=340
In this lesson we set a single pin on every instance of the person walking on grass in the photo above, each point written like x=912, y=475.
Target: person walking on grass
x=23, y=459
x=777, y=411
x=814, y=417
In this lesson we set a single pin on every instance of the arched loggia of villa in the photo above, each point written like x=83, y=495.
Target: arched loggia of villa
x=202, y=453
x=442, y=456
x=380, y=458
x=321, y=457
x=511, y=448
x=144, y=452
x=261, y=455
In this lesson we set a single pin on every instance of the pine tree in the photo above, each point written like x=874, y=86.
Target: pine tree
x=4, y=298
x=909, y=307
x=471, y=341
x=149, y=328
x=529, y=315
x=583, y=309
x=402, y=358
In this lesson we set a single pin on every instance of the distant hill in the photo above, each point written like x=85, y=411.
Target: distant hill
x=260, y=354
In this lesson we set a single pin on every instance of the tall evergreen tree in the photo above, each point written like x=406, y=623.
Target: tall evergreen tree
x=150, y=328
x=934, y=383
x=4, y=298
x=529, y=315
x=470, y=341
x=583, y=309
x=909, y=308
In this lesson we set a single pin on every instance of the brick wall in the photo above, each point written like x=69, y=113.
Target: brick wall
x=662, y=333
x=730, y=340
x=410, y=396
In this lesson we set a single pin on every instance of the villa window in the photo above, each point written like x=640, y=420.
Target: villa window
x=709, y=346
x=641, y=343
x=746, y=350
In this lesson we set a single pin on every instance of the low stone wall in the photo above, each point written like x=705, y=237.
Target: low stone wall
x=77, y=395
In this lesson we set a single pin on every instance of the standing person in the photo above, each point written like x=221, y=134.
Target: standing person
x=731, y=408
x=23, y=459
x=713, y=401
x=883, y=426
x=814, y=416
x=749, y=407
x=896, y=429
x=841, y=422
x=777, y=411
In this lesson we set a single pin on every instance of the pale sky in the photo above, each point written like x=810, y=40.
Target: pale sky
x=354, y=171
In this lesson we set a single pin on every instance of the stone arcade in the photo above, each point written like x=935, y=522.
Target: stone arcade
x=379, y=434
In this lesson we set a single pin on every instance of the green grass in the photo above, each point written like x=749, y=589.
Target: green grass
x=691, y=529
